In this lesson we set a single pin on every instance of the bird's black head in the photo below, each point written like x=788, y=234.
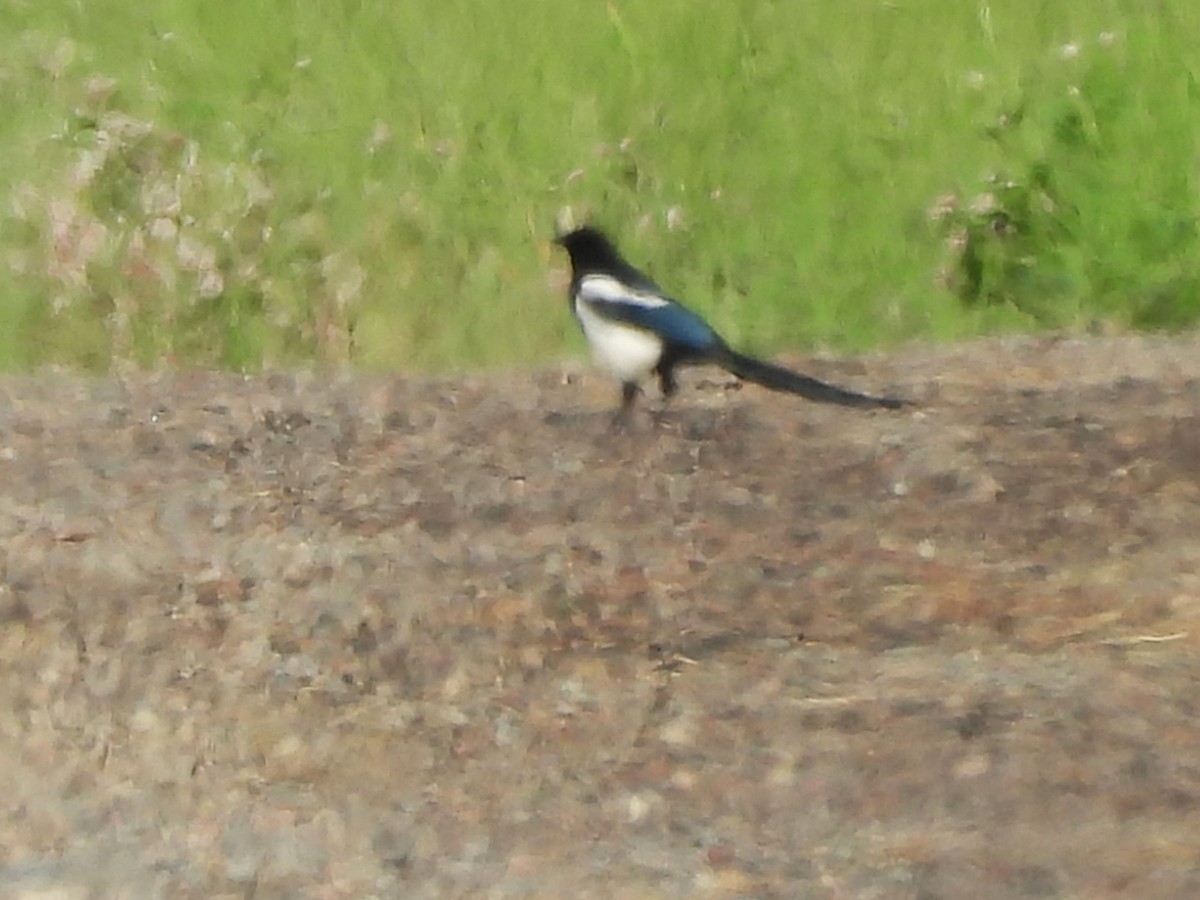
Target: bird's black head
x=590, y=250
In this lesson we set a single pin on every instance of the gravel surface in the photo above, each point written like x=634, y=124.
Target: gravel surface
x=333, y=637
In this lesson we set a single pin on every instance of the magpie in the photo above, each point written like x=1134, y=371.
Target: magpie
x=636, y=330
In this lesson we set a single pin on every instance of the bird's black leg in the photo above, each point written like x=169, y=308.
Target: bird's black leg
x=629, y=393
x=666, y=379
x=666, y=383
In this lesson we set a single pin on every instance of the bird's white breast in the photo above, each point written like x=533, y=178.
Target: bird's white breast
x=627, y=353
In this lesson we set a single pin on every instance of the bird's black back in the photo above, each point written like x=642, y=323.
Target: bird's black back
x=592, y=252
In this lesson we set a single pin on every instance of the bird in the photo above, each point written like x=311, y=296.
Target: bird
x=636, y=330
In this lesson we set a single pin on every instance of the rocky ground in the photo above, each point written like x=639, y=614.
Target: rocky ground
x=303, y=636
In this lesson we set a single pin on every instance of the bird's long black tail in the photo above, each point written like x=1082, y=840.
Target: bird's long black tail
x=777, y=378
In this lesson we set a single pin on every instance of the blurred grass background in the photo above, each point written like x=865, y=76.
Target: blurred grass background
x=271, y=184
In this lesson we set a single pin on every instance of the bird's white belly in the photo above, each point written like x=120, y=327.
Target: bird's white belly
x=628, y=354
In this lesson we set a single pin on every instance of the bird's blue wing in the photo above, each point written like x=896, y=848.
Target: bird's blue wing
x=650, y=311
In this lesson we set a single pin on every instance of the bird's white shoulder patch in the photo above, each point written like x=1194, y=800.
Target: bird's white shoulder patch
x=607, y=288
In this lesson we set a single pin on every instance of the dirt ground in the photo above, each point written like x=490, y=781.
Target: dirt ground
x=312, y=636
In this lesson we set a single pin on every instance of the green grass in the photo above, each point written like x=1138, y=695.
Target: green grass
x=377, y=182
